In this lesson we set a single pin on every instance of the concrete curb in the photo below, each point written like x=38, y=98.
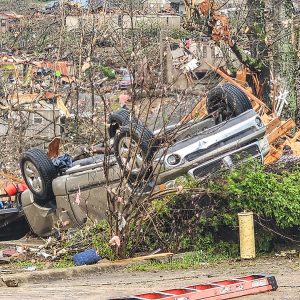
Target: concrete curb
x=13, y=280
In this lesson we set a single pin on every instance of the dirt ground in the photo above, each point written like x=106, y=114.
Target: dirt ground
x=124, y=283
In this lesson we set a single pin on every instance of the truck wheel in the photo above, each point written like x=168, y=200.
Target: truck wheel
x=227, y=101
x=134, y=148
x=120, y=118
x=38, y=172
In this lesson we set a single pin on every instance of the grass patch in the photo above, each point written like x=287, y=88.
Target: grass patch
x=42, y=265
x=187, y=261
x=39, y=265
x=63, y=263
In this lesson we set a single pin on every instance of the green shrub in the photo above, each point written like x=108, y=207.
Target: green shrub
x=108, y=72
x=208, y=221
x=270, y=195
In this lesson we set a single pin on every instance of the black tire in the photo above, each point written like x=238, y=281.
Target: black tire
x=46, y=172
x=145, y=141
x=239, y=94
x=48, y=202
x=121, y=117
x=228, y=100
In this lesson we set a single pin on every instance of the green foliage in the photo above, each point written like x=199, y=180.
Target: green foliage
x=180, y=33
x=100, y=240
x=149, y=29
x=208, y=221
x=275, y=196
x=186, y=222
x=21, y=264
x=108, y=72
x=65, y=262
x=187, y=181
x=91, y=235
x=264, y=242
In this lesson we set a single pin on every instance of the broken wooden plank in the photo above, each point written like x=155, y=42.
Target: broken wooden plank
x=273, y=155
x=142, y=258
x=273, y=124
x=280, y=131
x=53, y=148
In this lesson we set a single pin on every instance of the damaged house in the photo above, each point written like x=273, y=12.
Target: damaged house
x=27, y=107
x=187, y=62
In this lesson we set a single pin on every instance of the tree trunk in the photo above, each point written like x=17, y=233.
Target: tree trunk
x=256, y=23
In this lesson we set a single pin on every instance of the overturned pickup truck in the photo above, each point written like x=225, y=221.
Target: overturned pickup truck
x=232, y=132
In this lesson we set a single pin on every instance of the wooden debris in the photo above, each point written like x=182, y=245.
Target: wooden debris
x=280, y=131
x=272, y=156
x=142, y=258
x=53, y=148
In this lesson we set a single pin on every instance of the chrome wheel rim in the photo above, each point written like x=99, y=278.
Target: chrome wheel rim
x=131, y=155
x=33, y=177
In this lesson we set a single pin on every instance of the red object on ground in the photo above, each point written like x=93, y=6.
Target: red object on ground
x=218, y=290
x=12, y=189
x=9, y=252
x=22, y=187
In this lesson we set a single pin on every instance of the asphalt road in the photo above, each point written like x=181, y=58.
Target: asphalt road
x=106, y=285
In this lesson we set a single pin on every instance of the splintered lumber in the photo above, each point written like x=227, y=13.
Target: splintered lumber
x=271, y=125
x=273, y=155
x=142, y=258
x=293, y=144
x=280, y=131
